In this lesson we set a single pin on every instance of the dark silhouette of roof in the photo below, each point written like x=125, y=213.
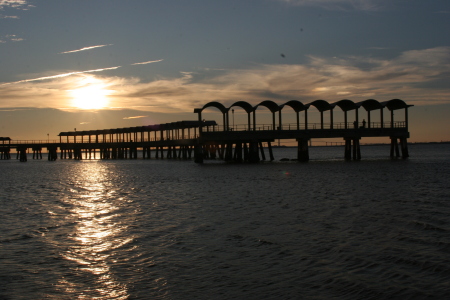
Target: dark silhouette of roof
x=272, y=106
x=321, y=105
x=296, y=105
x=147, y=128
x=245, y=105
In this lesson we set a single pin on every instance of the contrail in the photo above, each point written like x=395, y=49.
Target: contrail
x=61, y=75
x=147, y=62
x=85, y=48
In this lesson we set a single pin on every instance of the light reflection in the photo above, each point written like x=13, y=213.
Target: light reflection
x=98, y=234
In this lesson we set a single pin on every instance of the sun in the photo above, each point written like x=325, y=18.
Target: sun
x=92, y=95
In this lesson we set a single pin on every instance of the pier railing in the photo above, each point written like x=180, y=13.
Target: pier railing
x=295, y=126
x=173, y=136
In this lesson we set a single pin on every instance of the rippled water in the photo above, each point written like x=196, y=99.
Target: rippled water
x=162, y=229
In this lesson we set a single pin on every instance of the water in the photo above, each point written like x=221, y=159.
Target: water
x=162, y=229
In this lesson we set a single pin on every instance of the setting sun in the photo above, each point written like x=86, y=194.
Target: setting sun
x=93, y=95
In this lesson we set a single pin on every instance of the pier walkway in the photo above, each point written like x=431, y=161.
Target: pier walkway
x=210, y=140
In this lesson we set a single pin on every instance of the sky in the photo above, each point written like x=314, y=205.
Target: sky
x=87, y=65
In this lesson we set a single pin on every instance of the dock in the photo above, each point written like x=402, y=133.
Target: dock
x=201, y=139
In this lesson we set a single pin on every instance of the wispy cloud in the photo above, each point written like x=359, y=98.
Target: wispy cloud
x=61, y=75
x=417, y=76
x=147, y=62
x=11, y=38
x=135, y=117
x=18, y=4
x=8, y=17
x=85, y=48
x=338, y=4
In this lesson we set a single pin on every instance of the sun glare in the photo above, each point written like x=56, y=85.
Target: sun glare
x=92, y=95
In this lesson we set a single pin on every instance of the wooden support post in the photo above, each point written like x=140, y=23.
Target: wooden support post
x=174, y=149
x=221, y=151
x=214, y=150
x=205, y=151
x=238, y=152
x=394, y=147
x=302, y=150
x=198, y=153
x=270, y=149
x=404, y=145
x=348, y=149
x=22, y=154
x=229, y=152
x=253, y=153
x=263, y=156
x=397, y=150
x=356, y=149
x=245, y=152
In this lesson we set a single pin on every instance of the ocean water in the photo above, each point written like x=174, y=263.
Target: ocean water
x=172, y=229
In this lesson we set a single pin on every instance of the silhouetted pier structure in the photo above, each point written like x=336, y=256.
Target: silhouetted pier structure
x=5, y=148
x=170, y=140
x=247, y=142
x=208, y=140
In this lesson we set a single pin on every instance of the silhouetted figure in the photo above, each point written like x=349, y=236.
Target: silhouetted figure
x=364, y=123
x=355, y=124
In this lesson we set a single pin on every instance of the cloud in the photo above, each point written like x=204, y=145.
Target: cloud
x=147, y=62
x=367, y=5
x=85, y=48
x=11, y=38
x=416, y=76
x=8, y=17
x=17, y=4
x=60, y=75
x=135, y=117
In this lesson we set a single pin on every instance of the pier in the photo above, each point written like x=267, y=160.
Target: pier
x=201, y=139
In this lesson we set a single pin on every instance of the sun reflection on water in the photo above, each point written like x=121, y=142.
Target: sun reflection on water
x=98, y=234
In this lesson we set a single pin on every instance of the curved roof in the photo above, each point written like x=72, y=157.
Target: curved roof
x=296, y=105
x=215, y=104
x=395, y=104
x=272, y=106
x=346, y=105
x=245, y=105
x=371, y=104
x=321, y=105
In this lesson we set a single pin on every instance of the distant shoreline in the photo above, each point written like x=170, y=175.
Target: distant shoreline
x=368, y=144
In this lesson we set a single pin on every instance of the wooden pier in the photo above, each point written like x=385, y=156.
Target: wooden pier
x=249, y=141
x=202, y=139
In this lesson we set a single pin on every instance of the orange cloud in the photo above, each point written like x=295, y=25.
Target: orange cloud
x=419, y=77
